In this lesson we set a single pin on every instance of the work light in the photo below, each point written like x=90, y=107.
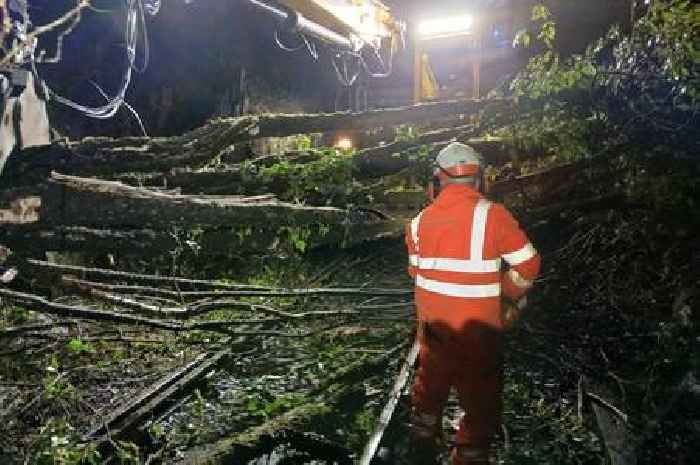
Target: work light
x=445, y=27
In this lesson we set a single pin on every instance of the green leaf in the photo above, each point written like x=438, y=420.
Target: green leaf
x=540, y=12
x=548, y=33
x=522, y=39
x=79, y=347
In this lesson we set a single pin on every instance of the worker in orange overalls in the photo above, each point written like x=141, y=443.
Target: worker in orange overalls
x=472, y=266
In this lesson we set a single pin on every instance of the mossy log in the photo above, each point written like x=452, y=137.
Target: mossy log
x=74, y=213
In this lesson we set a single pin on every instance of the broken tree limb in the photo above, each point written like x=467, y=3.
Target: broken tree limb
x=232, y=130
x=392, y=158
x=113, y=204
x=122, y=275
x=40, y=304
x=100, y=156
x=620, y=414
x=121, y=211
x=34, y=241
x=198, y=309
x=17, y=330
x=232, y=290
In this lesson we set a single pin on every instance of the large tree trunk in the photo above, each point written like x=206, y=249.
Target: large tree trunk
x=75, y=212
x=130, y=194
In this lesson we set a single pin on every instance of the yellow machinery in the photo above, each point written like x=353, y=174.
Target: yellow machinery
x=461, y=44
x=348, y=26
x=361, y=34
x=457, y=30
x=367, y=20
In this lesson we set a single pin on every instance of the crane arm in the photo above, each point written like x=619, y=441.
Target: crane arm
x=346, y=24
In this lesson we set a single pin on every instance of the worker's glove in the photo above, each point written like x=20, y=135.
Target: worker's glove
x=511, y=311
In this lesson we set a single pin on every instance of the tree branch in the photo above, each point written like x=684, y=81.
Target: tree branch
x=55, y=24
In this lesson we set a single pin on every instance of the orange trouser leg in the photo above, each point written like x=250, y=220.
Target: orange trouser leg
x=431, y=386
x=481, y=399
x=480, y=387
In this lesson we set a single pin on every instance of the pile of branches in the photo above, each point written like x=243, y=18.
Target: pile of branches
x=615, y=318
x=255, y=329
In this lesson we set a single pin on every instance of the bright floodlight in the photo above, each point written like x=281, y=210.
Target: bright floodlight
x=446, y=26
x=344, y=144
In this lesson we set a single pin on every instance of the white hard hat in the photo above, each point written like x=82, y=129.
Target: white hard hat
x=459, y=159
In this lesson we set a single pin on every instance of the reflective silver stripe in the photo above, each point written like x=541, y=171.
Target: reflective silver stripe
x=413, y=260
x=479, y=229
x=459, y=266
x=518, y=280
x=520, y=256
x=459, y=290
x=414, y=230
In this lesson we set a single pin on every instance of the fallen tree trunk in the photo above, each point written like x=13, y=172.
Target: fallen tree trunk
x=101, y=156
x=118, y=215
x=116, y=204
x=248, y=127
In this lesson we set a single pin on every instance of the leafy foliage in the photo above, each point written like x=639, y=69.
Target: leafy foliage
x=617, y=93
x=77, y=346
x=56, y=445
x=325, y=179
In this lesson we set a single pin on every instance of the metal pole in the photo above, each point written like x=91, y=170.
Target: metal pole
x=417, y=71
x=295, y=22
x=385, y=417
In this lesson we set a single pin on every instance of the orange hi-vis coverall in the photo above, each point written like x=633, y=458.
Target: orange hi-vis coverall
x=456, y=249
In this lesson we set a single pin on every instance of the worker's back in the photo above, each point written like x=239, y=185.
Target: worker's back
x=456, y=246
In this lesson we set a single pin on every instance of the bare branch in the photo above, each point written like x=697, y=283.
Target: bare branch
x=40, y=304
x=243, y=291
x=14, y=331
x=55, y=24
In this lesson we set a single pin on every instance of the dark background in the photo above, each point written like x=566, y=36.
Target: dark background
x=199, y=47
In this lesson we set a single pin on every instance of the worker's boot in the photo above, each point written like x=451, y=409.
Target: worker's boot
x=469, y=455
x=424, y=447
x=424, y=451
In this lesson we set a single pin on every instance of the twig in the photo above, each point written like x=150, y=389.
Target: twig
x=13, y=331
x=241, y=290
x=208, y=306
x=623, y=416
x=138, y=276
x=40, y=304
x=579, y=403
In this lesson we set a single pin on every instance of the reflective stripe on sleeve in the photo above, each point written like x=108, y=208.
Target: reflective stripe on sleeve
x=413, y=260
x=520, y=256
x=518, y=280
x=414, y=229
x=459, y=290
x=459, y=266
x=481, y=212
